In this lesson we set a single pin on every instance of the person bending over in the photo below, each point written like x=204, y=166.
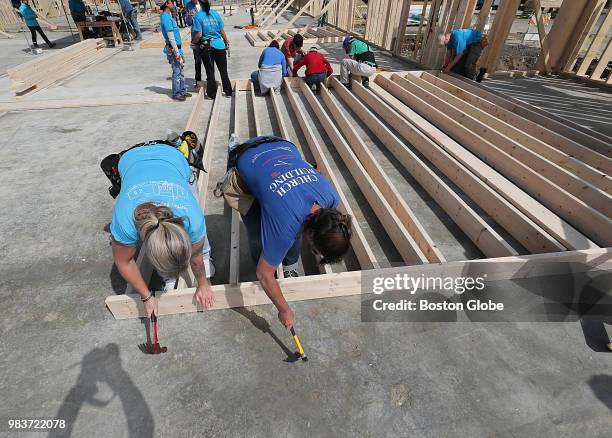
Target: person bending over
x=318, y=69
x=156, y=207
x=360, y=61
x=292, y=49
x=291, y=199
x=272, y=68
x=464, y=47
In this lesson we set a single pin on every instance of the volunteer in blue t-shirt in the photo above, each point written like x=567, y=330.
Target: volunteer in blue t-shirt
x=173, y=50
x=29, y=16
x=464, y=47
x=208, y=35
x=158, y=208
x=292, y=199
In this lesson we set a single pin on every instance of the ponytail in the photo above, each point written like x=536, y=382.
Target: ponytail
x=205, y=6
x=164, y=239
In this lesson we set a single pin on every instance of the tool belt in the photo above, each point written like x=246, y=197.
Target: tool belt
x=110, y=163
x=204, y=44
x=232, y=187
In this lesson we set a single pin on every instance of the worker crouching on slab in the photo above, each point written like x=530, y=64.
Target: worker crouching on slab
x=157, y=206
x=318, y=69
x=282, y=198
x=173, y=50
x=463, y=49
x=361, y=61
x=272, y=68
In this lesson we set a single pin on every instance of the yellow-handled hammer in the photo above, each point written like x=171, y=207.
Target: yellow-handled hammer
x=300, y=351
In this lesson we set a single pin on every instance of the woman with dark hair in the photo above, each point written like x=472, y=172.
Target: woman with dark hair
x=209, y=36
x=292, y=199
x=272, y=68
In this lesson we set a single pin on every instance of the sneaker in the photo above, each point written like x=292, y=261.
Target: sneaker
x=210, y=268
x=170, y=283
x=366, y=83
x=52, y=45
x=313, y=87
x=180, y=98
x=291, y=274
x=35, y=45
x=483, y=71
x=187, y=95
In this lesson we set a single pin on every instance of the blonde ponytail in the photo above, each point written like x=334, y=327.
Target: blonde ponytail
x=164, y=239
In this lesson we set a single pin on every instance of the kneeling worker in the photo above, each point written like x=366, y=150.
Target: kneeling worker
x=464, y=47
x=291, y=199
x=361, y=61
x=318, y=69
x=156, y=206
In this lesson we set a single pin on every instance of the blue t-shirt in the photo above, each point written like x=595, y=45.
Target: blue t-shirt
x=210, y=26
x=286, y=188
x=76, y=6
x=158, y=174
x=126, y=6
x=461, y=38
x=273, y=56
x=167, y=24
x=29, y=16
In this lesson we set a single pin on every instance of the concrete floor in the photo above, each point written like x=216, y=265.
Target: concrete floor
x=226, y=373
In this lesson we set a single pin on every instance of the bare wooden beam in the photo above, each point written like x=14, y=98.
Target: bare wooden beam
x=470, y=133
x=545, y=218
x=544, y=60
x=533, y=130
x=483, y=236
x=597, y=40
x=603, y=62
x=438, y=148
x=360, y=246
x=485, y=11
x=500, y=29
x=401, y=238
x=350, y=283
x=383, y=182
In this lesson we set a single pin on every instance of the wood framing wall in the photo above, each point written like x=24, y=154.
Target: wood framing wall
x=473, y=152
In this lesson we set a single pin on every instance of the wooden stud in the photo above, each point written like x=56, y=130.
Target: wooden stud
x=603, y=62
x=593, y=49
x=438, y=148
x=382, y=181
x=544, y=60
x=468, y=14
x=350, y=283
x=531, y=130
x=360, y=246
x=483, y=236
x=557, y=132
x=524, y=148
x=401, y=238
x=401, y=29
x=483, y=16
x=466, y=129
x=499, y=33
x=272, y=21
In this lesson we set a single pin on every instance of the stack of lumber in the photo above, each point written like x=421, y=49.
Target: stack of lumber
x=37, y=74
x=158, y=42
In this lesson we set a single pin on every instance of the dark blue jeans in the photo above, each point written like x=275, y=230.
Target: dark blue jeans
x=315, y=79
x=252, y=221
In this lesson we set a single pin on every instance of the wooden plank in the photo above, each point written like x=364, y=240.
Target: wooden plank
x=500, y=29
x=419, y=34
x=360, y=246
x=467, y=14
x=557, y=132
x=514, y=142
x=558, y=228
x=435, y=146
x=532, y=129
x=597, y=40
x=401, y=29
x=299, y=14
x=470, y=133
x=401, y=238
x=544, y=60
x=350, y=283
x=483, y=236
x=315, y=18
x=383, y=183
x=263, y=18
x=483, y=16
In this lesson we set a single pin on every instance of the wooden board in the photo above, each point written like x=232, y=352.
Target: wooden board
x=350, y=283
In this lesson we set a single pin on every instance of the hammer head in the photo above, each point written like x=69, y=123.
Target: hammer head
x=150, y=348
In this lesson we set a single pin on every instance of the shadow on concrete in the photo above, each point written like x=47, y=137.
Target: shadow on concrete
x=103, y=365
x=595, y=335
x=601, y=385
x=61, y=43
x=160, y=90
x=262, y=324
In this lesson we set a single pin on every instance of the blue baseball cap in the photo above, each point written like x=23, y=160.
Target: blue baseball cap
x=347, y=40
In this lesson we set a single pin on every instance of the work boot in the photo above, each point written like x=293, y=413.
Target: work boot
x=366, y=83
x=291, y=274
x=483, y=71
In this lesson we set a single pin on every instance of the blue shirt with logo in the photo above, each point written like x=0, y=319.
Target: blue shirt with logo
x=210, y=26
x=461, y=38
x=158, y=174
x=286, y=188
x=29, y=16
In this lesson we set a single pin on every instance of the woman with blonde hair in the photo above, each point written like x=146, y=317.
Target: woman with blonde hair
x=157, y=207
